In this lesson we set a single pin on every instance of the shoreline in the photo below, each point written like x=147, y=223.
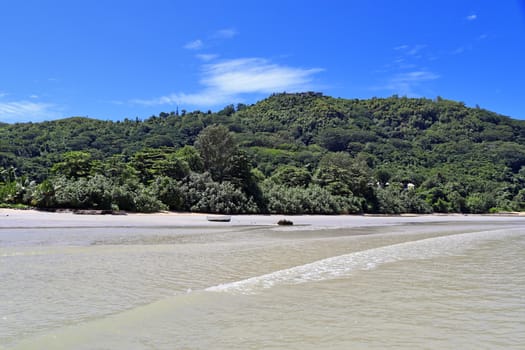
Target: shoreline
x=30, y=218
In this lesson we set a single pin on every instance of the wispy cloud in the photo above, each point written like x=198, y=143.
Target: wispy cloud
x=20, y=111
x=206, y=57
x=472, y=17
x=194, y=45
x=229, y=80
x=246, y=75
x=401, y=47
x=219, y=35
x=458, y=51
x=410, y=51
x=212, y=40
x=227, y=33
x=407, y=73
x=407, y=83
x=407, y=57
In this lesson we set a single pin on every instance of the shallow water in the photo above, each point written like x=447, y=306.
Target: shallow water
x=418, y=286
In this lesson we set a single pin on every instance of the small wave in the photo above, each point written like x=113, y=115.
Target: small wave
x=343, y=265
x=16, y=254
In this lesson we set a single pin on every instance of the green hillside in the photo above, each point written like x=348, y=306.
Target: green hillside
x=290, y=153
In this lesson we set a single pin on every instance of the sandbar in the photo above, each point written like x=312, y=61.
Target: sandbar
x=12, y=218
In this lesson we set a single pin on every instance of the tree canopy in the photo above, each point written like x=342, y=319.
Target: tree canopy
x=290, y=153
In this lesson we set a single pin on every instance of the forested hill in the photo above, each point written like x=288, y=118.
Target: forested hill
x=375, y=155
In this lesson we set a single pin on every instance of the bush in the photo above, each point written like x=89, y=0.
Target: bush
x=168, y=191
x=146, y=202
x=224, y=198
x=310, y=200
x=7, y=192
x=200, y=193
x=95, y=192
x=389, y=201
x=395, y=199
x=124, y=197
x=478, y=203
x=83, y=193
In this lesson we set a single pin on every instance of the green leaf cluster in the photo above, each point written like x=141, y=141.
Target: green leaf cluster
x=289, y=153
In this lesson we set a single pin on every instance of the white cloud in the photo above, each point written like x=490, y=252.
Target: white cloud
x=408, y=50
x=407, y=58
x=20, y=111
x=247, y=75
x=406, y=83
x=225, y=33
x=207, y=57
x=401, y=47
x=219, y=35
x=227, y=81
x=414, y=51
x=472, y=17
x=194, y=45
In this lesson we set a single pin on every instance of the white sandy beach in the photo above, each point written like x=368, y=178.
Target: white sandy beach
x=11, y=218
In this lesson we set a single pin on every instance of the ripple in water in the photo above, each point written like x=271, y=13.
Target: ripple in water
x=341, y=266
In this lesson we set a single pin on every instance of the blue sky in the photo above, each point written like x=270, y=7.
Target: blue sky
x=116, y=59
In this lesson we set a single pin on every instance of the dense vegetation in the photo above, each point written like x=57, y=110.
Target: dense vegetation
x=290, y=153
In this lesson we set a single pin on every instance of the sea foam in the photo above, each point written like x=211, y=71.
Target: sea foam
x=344, y=265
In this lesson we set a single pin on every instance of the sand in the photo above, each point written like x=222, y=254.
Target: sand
x=11, y=218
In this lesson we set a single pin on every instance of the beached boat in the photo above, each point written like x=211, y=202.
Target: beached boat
x=219, y=218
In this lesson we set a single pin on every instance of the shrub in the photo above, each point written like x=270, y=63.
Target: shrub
x=224, y=198
x=310, y=200
x=94, y=192
x=394, y=199
x=200, y=193
x=146, y=202
x=168, y=191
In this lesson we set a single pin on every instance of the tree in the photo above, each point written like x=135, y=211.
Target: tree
x=227, y=111
x=292, y=176
x=191, y=156
x=217, y=149
x=460, y=159
x=382, y=176
x=154, y=162
x=117, y=169
x=479, y=203
x=342, y=175
x=334, y=139
x=173, y=167
x=75, y=164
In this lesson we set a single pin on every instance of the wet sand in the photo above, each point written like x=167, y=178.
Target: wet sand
x=176, y=280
